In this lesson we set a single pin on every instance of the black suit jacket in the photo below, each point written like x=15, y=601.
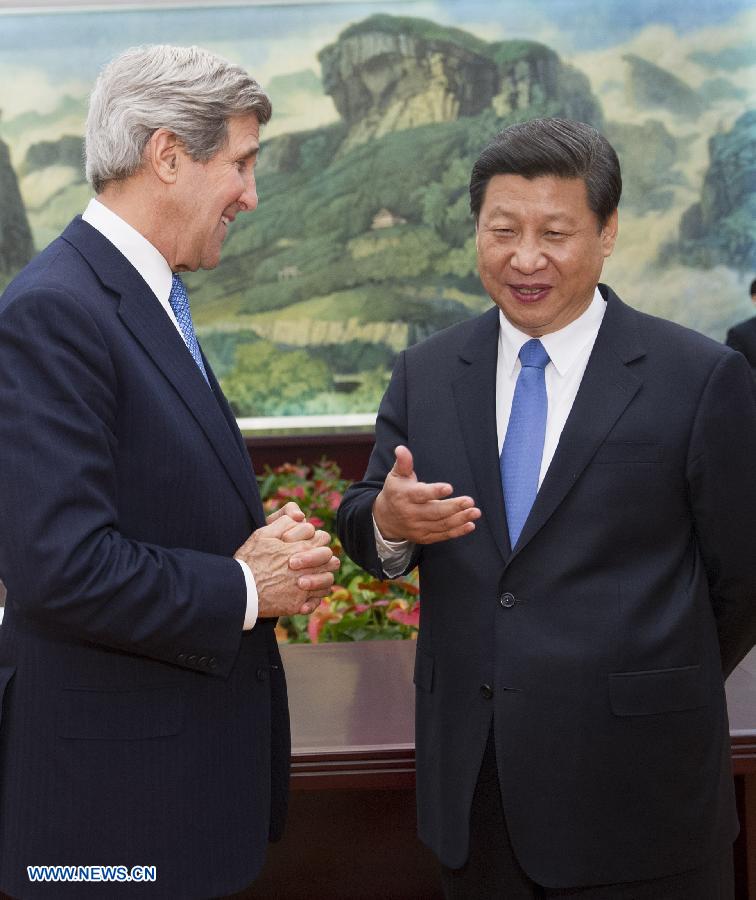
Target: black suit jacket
x=139, y=724
x=595, y=646
x=742, y=337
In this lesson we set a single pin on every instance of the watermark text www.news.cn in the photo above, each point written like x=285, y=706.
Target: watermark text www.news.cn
x=92, y=873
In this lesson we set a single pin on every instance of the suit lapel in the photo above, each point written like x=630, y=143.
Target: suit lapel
x=228, y=415
x=607, y=387
x=142, y=314
x=475, y=398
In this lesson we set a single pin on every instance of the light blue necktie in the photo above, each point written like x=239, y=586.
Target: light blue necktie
x=179, y=302
x=523, y=445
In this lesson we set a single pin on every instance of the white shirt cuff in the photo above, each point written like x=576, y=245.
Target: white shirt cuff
x=394, y=555
x=250, y=616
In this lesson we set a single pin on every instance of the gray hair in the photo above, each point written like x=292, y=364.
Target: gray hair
x=187, y=90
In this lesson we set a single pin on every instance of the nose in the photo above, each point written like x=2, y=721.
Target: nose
x=248, y=198
x=528, y=257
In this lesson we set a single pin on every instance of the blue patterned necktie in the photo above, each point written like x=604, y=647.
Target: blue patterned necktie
x=523, y=446
x=180, y=305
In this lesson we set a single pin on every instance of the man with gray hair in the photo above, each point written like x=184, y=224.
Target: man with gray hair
x=576, y=481
x=144, y=716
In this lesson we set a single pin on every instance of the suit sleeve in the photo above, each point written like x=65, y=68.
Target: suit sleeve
x=354, y=522
x=732, y=340
x=722, y=485
x=63, y=560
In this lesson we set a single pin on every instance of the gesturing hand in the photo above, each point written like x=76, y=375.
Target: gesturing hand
x=292, y=565
x=411, y=510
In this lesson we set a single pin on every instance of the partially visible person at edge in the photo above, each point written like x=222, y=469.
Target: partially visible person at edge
x=576, y=481
x=144, y=717
x=742, y=337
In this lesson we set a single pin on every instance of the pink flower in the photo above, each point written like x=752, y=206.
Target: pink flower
x=411, y=618
x=316, y=522
x=333, y=499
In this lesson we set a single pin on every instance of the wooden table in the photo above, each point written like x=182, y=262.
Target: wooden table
x=351, y=830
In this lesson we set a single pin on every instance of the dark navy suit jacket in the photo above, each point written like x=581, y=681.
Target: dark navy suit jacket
x=596, y=646
x=742, y=337
x=139, y=725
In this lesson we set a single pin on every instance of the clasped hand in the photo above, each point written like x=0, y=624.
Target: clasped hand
x=410, y=510
x=291, y=562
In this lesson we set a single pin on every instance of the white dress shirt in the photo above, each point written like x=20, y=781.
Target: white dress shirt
x=568, y=349
x=154, y=269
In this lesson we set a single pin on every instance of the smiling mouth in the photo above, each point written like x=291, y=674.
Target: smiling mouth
x=529, y=293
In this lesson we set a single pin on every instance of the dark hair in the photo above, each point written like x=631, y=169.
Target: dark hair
x=558, y=147
x=753, y=287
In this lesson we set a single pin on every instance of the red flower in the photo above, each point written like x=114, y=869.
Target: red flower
x=319, y=619
x=289, y=469
x=412, y=589
x=377, y=587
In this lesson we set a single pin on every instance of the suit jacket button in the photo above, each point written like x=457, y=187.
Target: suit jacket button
x=212, y=663
x=486, y=691
x=507, y=600
x=202, y=661
x=192, y=660
x=181, y=657
x=262, y=674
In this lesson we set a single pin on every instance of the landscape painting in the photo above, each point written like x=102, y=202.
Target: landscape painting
x=363, y=242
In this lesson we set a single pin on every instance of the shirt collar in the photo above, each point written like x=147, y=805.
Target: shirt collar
x=143, y=255
x=563, y=346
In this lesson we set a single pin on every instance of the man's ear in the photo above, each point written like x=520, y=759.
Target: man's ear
x=163, y=155
x=609, y=233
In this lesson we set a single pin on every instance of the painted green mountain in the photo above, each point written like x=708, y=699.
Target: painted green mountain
x=363, y=242
x=16, y=246
x=69, y=108
x=720, y=228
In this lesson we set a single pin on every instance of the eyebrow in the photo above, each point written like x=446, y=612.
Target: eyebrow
x=560, y=216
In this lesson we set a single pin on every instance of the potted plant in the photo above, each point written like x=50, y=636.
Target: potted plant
x=359, y=608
